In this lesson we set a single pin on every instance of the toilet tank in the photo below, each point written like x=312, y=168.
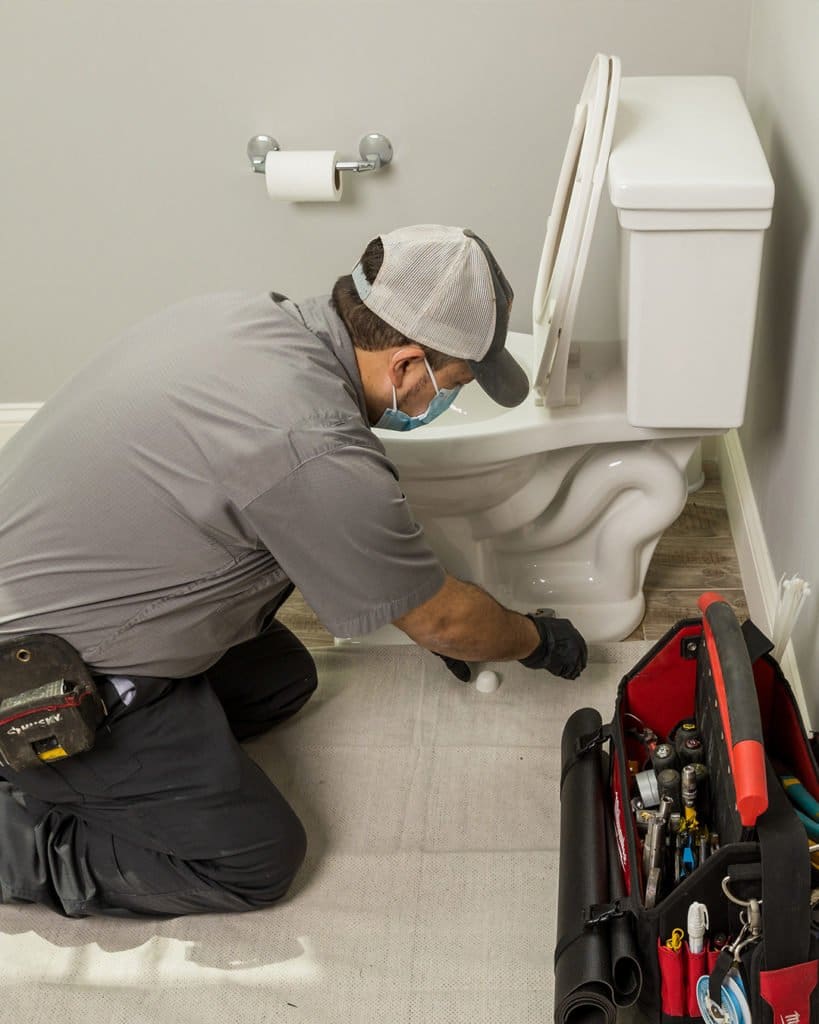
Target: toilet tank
x=693, y=195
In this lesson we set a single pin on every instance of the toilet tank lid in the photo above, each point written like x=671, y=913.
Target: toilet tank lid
x=686, y=143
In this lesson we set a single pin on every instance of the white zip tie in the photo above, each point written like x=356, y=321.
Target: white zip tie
x=793, y=592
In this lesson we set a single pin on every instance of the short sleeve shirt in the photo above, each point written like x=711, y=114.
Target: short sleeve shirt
x=155, y=509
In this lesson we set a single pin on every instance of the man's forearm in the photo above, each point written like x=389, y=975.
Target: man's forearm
x=463, y=621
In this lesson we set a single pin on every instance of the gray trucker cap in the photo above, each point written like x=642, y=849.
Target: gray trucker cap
x=442, y=287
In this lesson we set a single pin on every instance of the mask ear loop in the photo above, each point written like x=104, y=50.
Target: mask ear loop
x=431, y=375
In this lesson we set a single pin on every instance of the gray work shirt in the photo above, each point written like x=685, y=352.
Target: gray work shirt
x=154, y=510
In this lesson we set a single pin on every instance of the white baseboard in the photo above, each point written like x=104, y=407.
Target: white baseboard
x=758, y=576
x=13, y=416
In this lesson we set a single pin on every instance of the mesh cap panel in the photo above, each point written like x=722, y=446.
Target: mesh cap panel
x=437, y=287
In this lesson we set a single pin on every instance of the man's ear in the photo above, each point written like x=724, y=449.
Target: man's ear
x=401, y=360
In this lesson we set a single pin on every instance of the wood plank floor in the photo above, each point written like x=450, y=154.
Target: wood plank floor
x=695, y=554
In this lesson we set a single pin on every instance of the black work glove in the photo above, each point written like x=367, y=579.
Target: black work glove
x=561, y=651
x=458, y=668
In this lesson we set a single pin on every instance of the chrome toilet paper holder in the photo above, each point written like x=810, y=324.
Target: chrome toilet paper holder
x=375, y=151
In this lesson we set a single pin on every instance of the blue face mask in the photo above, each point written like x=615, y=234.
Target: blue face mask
x=394, y=419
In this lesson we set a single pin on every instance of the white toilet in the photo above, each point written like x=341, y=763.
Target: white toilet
x=560, y=502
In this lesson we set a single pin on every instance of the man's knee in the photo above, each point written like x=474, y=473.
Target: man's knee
x=291, y=695
x=263, y=876
x=266, y=691
x=280, y=704
x=306, y=683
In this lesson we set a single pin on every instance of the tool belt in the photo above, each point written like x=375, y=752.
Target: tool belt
x=49, y=703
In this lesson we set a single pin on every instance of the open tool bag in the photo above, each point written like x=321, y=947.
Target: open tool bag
x=688, y=886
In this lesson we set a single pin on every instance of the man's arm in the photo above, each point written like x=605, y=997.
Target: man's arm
x=462, y=621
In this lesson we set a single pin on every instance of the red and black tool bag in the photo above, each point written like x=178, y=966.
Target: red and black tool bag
x=722, y=675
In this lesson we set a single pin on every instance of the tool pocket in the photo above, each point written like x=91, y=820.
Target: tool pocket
x=787, y=996
x=696, y=965
x=672, y=980
x=680, y=973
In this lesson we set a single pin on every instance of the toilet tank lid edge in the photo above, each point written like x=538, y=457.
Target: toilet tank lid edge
x=686, y=142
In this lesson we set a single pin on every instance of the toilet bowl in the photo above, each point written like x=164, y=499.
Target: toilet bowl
x=560, y=502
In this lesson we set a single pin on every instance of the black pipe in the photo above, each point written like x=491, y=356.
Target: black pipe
x=583, y=984
x=626, y=973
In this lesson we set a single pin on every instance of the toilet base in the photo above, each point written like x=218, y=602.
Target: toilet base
x=576, y=535
x=599, y=624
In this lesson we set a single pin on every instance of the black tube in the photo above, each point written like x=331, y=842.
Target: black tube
x=626, y=974
x=583, y=989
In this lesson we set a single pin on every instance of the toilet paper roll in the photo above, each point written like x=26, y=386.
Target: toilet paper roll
x=303, y=177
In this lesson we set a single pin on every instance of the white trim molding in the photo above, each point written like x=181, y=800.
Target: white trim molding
x=13, y=416
x=755, y=565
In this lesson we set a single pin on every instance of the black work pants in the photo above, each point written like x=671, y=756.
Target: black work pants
x=167, y=814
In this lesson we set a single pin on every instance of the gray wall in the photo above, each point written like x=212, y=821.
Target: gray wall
x=780, y=438
x=124, y=180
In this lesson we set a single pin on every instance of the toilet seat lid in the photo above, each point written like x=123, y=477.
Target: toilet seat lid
x=570, y=226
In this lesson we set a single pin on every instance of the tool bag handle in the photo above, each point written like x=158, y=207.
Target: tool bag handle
x=738, y=706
